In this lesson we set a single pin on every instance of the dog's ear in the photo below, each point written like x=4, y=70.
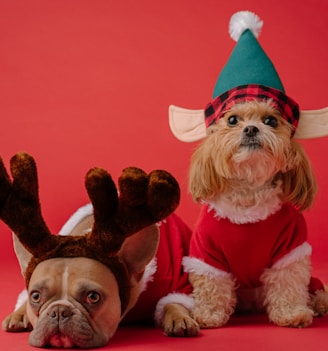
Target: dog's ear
x=138, y=250
x=22, y=254
x=205, y=174
x=299, y=183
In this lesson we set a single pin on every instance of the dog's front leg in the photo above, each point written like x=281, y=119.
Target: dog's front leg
x=286, y=294
x=215, y=299
x=178, y=322
x=319, y=303
x=17, y=321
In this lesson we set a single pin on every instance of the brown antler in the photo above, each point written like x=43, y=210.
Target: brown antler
x=143, y=200
x=20, y=207
x=146, y=199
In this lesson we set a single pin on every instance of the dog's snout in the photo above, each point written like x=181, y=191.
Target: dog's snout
x=60, y=312
x=250, y=131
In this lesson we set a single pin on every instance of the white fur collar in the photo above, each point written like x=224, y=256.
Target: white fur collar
x=76, y=217
x=266, y=202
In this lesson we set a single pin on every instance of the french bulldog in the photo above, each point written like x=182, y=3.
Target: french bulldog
x=75, y=302
x=79, y=301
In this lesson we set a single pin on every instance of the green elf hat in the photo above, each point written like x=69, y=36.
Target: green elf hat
x=247, y=76
x=248, y=63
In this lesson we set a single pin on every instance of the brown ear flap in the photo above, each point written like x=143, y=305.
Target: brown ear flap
x=138, y=250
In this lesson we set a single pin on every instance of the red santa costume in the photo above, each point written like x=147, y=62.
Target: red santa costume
x=220, y=247
x=165, y=281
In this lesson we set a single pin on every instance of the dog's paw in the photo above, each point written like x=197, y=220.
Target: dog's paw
x=178, y=322
x=211, y=318
x=16, y=322
x=319, y=303
x=185, y=326
x=299, y=317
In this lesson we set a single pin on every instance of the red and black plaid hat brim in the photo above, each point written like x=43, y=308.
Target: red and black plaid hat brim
x=287, y=107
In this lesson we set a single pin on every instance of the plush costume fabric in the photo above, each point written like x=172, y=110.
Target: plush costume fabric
x=287, y=107
x=168, y=276
x=247, y=250
x=248, y=64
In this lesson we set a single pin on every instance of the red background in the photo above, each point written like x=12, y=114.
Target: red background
x=88, y=83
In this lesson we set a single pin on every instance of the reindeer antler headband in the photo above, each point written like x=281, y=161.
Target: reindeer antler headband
x=143, y=200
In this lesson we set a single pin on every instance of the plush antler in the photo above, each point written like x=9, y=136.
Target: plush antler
x=20, y=207
x=142, y=200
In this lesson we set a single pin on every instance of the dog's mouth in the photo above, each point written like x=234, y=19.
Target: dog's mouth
x=59, y=327
x=60, y=341
x=251, y=143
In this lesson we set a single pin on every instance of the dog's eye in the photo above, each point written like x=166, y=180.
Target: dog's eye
x=35, y=297
x=93, y=297
x=232, y=120
x=271, y=121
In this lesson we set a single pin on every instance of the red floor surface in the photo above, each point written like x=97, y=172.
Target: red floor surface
x=88, y=83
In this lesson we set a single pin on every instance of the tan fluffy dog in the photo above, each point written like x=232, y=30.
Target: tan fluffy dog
x=248, y=173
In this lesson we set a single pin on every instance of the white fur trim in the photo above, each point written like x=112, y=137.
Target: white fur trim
x=195, y=265
x=148, y=276
x=295, y=255
x=267, y=203
x=76, y=217
x=21, y=298
x=242, y=20
x=161, y=222
x=182, y=299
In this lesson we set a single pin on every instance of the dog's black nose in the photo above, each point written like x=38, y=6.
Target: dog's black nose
x=60, y=312
x=250, y=131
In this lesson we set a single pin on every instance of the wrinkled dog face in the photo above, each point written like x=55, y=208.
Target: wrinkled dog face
x=250, y=142
x=72, y=303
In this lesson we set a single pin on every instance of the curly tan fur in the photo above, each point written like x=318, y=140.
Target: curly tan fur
x=319, y=303
x=215, y=299
x=286, y=294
